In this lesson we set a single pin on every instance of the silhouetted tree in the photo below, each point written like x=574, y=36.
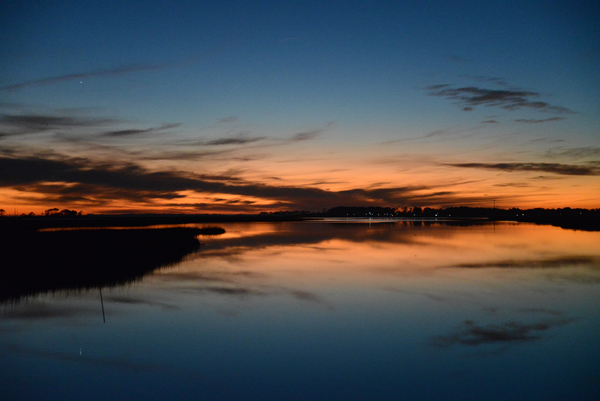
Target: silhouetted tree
x=67, y=213
x=2, y=211
x=428, y=212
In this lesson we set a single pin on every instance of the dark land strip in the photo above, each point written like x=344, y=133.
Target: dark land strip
x=34, y=262
x=578, y=219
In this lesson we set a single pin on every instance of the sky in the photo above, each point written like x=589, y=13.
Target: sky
x=252, y=106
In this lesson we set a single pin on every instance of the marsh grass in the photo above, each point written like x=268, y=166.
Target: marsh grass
x=33, y=262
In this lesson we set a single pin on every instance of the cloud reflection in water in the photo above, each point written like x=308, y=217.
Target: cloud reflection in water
x=471, y=334
x=304, y=309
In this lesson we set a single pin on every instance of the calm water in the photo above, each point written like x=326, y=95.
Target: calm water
x=327, y=311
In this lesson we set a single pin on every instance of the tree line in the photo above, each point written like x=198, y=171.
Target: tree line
x=54, y=212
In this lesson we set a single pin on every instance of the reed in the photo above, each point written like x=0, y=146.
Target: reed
x=33, y=262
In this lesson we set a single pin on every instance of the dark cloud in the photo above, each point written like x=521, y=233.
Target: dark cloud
x=309, y=135
x=471, y=334
x=534, y=121
x=489, y=122
x=305, y=136
x=437, y=87
x=161, y=154
x=241, y=138
x=133, y=132
x=555, y=168
x=548, y=177
x=80, y=76
x=513, y=185
x=35, y=123
x=546, y=140
x=49, y=178
x=233, y=141
x=239, y=201
x=78, y=179
x=126, y=132
x=472, y=96
x=84, y=131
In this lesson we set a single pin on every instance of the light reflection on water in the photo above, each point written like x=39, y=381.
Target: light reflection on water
x=329, y=310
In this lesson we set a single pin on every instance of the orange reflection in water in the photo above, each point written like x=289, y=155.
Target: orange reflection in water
x=330, y=255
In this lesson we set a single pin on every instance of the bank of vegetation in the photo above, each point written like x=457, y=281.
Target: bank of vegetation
x=33, y=262
x=574, y=218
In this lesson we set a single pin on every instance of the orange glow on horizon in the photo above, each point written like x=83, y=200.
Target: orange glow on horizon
x=405, y=175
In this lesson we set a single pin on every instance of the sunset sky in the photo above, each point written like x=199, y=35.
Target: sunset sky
x=243, y=107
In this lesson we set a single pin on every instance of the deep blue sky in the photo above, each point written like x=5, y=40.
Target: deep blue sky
x=298, y=95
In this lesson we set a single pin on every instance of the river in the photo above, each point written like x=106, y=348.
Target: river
x=326, y=310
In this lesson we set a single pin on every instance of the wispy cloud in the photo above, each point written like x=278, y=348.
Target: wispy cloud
x=62, y=179
x=306, y=136
x=471, y=96
x=80, y=76
x=233, y=141
x=513, y=185
x=35, y=123
x=134, y=132
x=309, y=135
x=443, y=133
x=575, y=153
x=555, y=168
x=535, y=121
x=546, y=140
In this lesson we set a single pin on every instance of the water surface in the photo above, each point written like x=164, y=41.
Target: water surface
x=327, y=310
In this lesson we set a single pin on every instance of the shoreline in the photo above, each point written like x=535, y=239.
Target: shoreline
x=37, y=262
x=587, y=222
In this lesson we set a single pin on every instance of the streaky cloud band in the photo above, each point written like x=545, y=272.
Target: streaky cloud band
x=471, y=96
x=96, y=74
x=555, y=168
